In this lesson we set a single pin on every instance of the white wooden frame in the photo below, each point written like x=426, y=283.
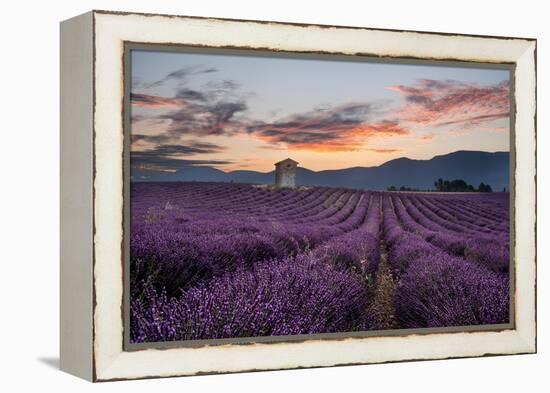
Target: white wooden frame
x=92, y=48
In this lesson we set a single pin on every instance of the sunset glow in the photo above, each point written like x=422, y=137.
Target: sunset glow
x=235, y=112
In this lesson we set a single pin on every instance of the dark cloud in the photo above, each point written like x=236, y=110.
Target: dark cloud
x=211, y=111
x=206, y=119
x=224, y=111
x=193, y=70
x=162, y=164
x=181, y=75
x=152, y=101
x=155, y=139
x=190, y=148
x=169, y=157
x=190, y=94
x=222, y=87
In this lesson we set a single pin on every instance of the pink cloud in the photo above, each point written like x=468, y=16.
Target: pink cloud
x=150, y=101
x=443, y=103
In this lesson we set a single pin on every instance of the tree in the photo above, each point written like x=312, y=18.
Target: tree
x=484, y=187
x=459, y=185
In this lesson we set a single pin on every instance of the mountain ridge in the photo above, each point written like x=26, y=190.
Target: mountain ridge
x=471, y=166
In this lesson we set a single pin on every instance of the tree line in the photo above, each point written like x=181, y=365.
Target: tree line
x=457, y=185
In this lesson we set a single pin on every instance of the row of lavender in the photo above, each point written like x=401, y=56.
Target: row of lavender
x=180, y=238
x=215, y=260
x=218, y=261
x=450, y=261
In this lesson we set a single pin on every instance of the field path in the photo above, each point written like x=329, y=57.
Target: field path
x=383, y=291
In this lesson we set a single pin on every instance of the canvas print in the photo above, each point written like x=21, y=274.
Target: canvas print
x=279, y=195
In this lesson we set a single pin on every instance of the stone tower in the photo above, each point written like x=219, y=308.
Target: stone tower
x=285, y=173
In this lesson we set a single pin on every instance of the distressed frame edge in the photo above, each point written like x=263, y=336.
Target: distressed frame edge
x=526, y=139
x=293, y=339
x=528, y=340
x=76, y=196
x=303, y=24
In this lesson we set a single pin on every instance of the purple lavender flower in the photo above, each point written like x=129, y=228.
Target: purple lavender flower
x=221, y=260
x=281, y=297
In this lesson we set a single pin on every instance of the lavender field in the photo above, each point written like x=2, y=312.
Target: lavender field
x=224, y=260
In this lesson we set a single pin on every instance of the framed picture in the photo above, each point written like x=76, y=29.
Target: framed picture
x=246, y=195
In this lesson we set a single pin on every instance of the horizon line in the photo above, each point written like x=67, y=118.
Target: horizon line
x=351, y=167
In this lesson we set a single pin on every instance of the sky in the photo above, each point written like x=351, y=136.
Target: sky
x=247, y=112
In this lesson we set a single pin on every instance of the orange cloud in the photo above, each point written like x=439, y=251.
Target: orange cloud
x=344, y=128
x=386, y=151
x=385, y=127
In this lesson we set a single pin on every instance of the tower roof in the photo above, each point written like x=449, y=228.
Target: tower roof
x=285, y=161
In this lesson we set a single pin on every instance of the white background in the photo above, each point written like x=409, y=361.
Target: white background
x=29, y=204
